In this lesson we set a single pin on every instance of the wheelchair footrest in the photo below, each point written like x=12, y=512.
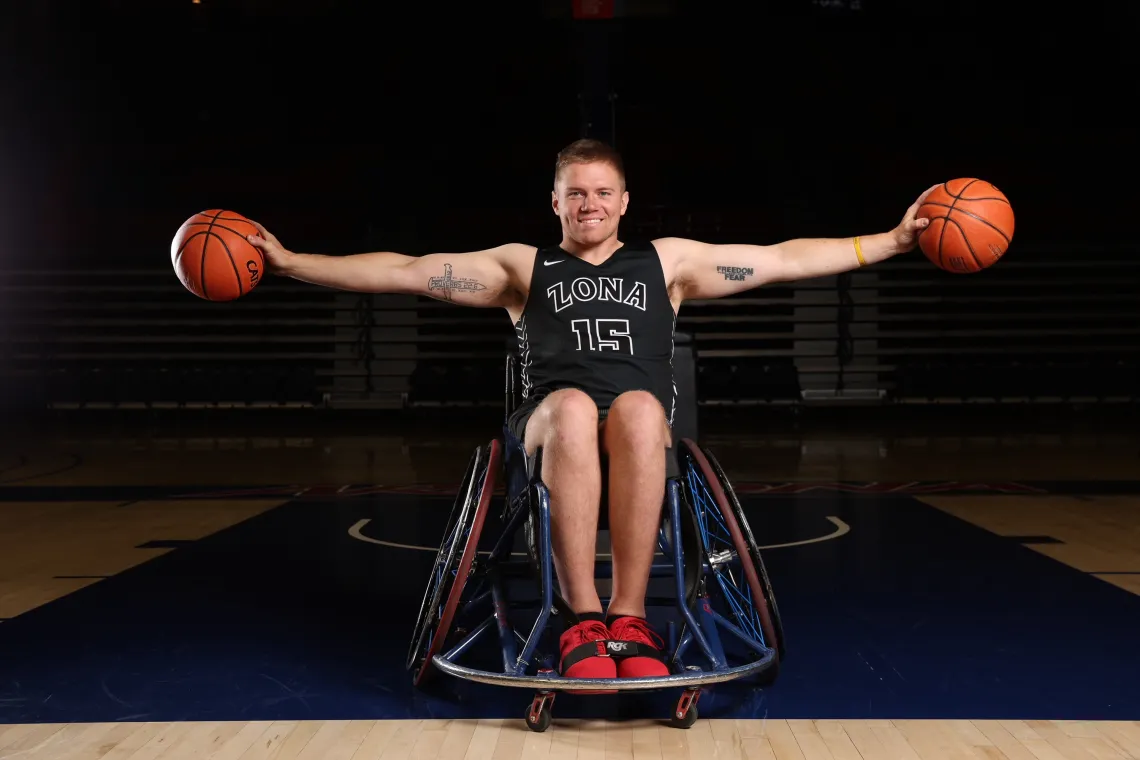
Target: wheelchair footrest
x=550, y=681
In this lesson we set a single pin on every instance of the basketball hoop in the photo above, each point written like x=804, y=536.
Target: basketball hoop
x=593, y=9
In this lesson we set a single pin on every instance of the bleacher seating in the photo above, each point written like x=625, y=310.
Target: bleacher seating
x=137, y=338
x=1040, y=327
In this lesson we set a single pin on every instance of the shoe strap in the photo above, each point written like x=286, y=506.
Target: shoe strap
x=618, y=650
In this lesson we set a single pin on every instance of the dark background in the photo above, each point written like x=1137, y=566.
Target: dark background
x=327, y=121
x=362, y=126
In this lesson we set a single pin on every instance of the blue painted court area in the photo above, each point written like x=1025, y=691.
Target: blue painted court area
x=910, y=614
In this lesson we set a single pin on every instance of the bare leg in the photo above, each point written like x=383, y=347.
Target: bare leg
x=635, y=436
x=565, y=425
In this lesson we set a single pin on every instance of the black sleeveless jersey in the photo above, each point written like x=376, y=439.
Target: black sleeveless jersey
x=602, y=329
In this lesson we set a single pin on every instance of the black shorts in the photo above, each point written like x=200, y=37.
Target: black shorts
x=517, y=422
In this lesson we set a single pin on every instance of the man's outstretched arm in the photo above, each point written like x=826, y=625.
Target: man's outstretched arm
x=478, y=278
x=704, y=270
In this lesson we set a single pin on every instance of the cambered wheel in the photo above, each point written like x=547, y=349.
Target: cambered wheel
x=453, y=562
x=738, y=571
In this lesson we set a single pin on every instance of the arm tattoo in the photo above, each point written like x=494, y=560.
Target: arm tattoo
x=739, y=274
x=447, y=284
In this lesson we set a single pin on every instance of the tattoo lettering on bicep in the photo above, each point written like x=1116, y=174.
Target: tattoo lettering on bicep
x=448, y=285
x=739, y=274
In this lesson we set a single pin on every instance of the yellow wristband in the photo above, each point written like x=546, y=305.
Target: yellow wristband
x=859, y=253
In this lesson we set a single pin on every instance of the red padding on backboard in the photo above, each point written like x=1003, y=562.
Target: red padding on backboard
x=588, y=9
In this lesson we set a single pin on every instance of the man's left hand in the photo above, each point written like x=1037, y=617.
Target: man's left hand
x=906, y=233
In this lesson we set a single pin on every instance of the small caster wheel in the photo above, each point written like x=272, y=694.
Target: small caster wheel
x=685, y=713
x=541, y=712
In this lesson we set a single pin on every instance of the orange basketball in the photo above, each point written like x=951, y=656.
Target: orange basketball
x=971, y=225
x=212, y=257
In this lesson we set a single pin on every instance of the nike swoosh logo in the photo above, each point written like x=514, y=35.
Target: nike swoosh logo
x=556, y=261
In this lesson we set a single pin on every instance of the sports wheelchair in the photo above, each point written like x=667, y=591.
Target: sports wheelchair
x=726, y=609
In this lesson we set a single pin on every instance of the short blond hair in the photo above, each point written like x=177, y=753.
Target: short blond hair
x=588, y=151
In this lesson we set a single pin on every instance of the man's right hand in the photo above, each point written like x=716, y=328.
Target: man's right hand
x=276, y=255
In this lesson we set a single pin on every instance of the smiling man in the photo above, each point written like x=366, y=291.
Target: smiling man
x=595, y=317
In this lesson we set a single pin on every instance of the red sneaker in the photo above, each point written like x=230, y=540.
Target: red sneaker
x=647, y=659
x=584, y=654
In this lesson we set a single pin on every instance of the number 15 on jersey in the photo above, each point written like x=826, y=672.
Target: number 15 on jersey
x=603, y=335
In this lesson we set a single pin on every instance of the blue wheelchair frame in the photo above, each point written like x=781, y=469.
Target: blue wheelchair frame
x=528, y=498
x=701, y=625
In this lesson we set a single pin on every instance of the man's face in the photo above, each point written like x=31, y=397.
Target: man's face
x=590, y=200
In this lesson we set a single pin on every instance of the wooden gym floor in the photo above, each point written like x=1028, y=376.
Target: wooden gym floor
x=247, y=591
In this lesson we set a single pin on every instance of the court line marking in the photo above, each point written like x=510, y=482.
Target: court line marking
x=14, y=463
x=76, y=461
x=841, y=529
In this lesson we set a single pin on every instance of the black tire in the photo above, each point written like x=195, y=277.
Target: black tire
x=542, y=722
x=689, y=719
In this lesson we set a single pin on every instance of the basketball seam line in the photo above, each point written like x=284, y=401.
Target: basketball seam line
x=202, y=263
x=969, y=214
x=219, y=226
x=946, y=187
x=207, y=233
x=229, y=253
x=965, y=239
x=942, y=235
x=984, y=198
x=237, y=274
x=219, y=216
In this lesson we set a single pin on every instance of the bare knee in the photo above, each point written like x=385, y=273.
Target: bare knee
x=566, y=419
x=637, y=421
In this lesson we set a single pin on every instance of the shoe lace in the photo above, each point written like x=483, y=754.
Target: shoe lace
x=592, y=630
x=635, y=629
